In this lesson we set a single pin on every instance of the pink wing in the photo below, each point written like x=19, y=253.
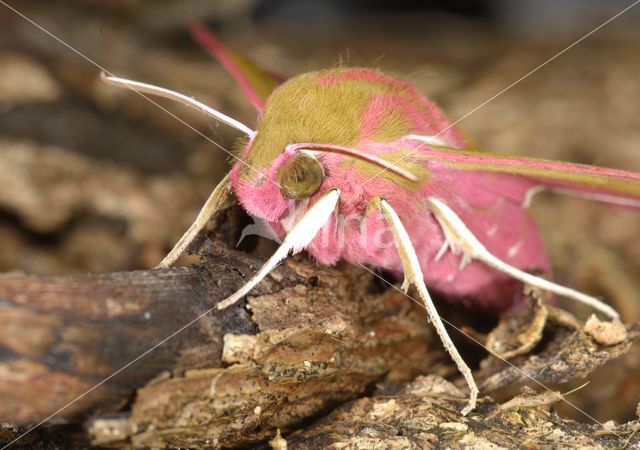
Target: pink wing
x=256, y=82
x=517, y=178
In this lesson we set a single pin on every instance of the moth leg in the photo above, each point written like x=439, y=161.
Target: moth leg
x=462, y=241
x=413, y=275
x=217, y=197
x=296, y=240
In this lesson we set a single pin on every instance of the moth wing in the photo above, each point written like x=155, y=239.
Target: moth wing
x=489, y=193
x=518, y=178
x=255, y=81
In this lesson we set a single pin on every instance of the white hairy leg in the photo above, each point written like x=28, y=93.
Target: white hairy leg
x=462, y=241
x=413, y=275
x=296, y=240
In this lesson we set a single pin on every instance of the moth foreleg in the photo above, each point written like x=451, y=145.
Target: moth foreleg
x=210, y=207
x=462, y=241
x=296, y=240
x=413, y=275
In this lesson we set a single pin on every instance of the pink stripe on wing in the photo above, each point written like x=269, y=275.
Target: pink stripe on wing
x=217, y=49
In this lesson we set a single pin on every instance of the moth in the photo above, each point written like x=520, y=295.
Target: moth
x=342, y=156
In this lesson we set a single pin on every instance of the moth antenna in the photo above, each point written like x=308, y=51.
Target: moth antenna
x=354, y=153
x=146, y=88
x=296, y=240
x=413, y=275
x=461, y=240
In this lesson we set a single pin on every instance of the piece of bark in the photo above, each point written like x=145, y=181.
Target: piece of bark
x=318, y=345
x=520, y=331
x=424, y=415
x=307, y=339
x=569, y=355
x=310, y=338
x=45, y=438
x=273, y=384
x=62, y=335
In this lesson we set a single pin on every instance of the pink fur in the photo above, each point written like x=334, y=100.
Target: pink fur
x=421, y=110
x=260, y=193
x=476, y=285
x=377, y=108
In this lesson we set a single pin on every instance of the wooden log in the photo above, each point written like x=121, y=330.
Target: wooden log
x=63, y=335
x=319, y=343
x=307, y=339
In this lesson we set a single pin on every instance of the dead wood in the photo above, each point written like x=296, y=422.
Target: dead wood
x=568, y=355
x=235, y=405
x=313, y=350
x=62, y=335
x=307, y=339
x=424, y=415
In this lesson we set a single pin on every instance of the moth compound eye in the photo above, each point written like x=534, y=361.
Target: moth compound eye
x=300, y=177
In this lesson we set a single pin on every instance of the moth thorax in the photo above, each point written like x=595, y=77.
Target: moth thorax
x=300, y=177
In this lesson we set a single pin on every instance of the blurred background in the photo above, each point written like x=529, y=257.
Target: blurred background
x=96, y=179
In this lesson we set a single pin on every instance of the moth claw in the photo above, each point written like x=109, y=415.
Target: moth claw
x=442, y=251
x=464, y=261
x=473, y=398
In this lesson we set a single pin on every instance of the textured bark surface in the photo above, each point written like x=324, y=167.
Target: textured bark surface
x=423, y=415
x=308, y=339
x=318, y=343
x=246, y=402
x=62, y=335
